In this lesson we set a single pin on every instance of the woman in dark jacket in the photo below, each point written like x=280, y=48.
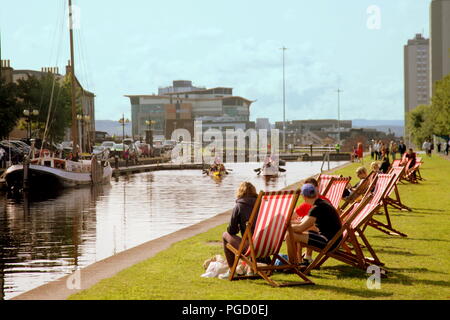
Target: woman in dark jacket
x=246, y=197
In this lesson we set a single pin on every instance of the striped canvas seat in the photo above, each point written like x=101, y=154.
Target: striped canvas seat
x=324, y=181
x=273, y=215
x=334, y=193
x=396, y=163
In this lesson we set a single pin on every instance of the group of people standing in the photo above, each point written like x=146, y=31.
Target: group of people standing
x=379, y=149
x=428, y=147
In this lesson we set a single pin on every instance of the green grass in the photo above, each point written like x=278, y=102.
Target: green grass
x=418, y=265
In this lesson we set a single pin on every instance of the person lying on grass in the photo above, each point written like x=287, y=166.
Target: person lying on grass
x=322, y=215
x=246, y=197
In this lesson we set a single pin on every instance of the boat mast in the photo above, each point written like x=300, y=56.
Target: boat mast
x=73, y=91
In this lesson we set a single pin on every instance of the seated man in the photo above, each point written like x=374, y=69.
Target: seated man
x=322, y=215
x=301, y=212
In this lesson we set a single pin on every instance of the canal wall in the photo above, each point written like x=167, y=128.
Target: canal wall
x=107, y=268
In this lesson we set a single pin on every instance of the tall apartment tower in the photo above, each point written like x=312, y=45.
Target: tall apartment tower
x=417, y=73
x=439, y=40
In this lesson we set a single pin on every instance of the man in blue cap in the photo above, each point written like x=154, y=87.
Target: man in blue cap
x=322, y=215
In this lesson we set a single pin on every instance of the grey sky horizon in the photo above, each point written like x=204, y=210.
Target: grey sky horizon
x=138, y=46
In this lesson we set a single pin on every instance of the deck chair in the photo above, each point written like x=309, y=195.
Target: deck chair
x=396, y=163
x=387, y=200
x=359, y=192
x=354, y=221
x=325, y=181
x=336, y=189
x=270, y=220
x=414, y=170
x=396, y=202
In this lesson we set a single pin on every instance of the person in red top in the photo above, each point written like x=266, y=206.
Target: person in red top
x=360, y=151
x=302, y=211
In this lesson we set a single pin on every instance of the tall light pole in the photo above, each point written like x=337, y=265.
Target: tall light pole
x=123, y=121
x=339, y=114
x=284, y=100
x=29, y=113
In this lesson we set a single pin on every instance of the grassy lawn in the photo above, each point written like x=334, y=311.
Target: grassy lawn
x=419, y=265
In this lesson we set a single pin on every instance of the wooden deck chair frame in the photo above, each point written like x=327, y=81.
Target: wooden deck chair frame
x=265, y=272
x=360, y=191
x=387, y=227
x=349, y=250
x=397, y=202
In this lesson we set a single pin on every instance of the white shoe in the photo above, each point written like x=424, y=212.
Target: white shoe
x=225, y=275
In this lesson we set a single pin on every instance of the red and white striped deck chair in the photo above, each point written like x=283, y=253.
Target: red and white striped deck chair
x=324, y=182
x=396, y=163
x=334, y=193
x=354, y=222
x=269, y=221
x=396, y=202
x=412, y=172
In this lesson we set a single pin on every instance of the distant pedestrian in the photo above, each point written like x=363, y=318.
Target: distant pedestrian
x=371, y=150
x=2, y=157
x=426, y=146
x=360, y=151
x=447, y=147
x=401, y=148
x=337, y=147
x=439, y=147
x=393, y=149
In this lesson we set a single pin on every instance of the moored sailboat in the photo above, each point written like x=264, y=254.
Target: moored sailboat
x=50, y=171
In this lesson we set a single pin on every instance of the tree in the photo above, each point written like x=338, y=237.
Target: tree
x=427, y=120
x=441, y=107
x=9, y=110
x=51, y=96
x=419, y=123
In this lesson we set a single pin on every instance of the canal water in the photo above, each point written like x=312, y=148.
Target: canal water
x=44, y=237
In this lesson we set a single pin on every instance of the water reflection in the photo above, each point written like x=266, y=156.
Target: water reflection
x=44, y=238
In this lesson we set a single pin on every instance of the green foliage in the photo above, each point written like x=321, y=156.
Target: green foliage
x=420, y=124
x=9, y=110
x=441, y=107
x=36, y=93
x=425, y=121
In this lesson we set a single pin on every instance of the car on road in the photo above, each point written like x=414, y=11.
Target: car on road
x=169, y=145
x=108, y=144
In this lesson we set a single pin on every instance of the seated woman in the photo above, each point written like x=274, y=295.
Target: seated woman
x=362, y=174
x=246, y=197
x=385, y=164
x=411, y=155
x=375, y=166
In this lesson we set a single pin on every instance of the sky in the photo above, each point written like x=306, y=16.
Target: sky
x=136, y=46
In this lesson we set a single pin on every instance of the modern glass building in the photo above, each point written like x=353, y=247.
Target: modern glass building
x=178, y=107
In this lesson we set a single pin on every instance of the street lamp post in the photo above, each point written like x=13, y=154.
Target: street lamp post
x=284, y=100
x=123, y=121
x=149, y=136
x=29, y=113
x=84, y=143
x=339, y=115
